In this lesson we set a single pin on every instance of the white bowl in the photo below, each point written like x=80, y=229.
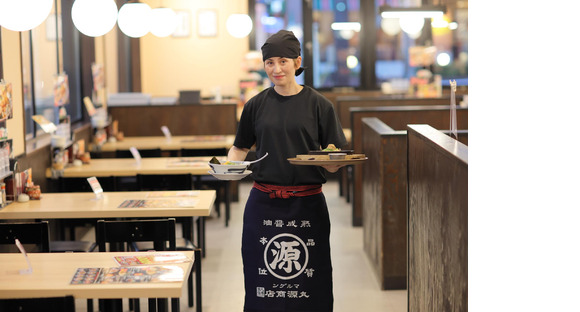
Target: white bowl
x=236, y=167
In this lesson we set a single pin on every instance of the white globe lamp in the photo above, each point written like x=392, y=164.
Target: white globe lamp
x=163, y=22
x=94, y=18
x=412, y=25
x=239, y=25
x=134, y=19
x=23, y=15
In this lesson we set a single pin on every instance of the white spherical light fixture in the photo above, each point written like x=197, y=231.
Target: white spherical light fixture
x=391, y=26
x=412, y=25
x=239, y=25
x=94, y=18
x=163, y=22
x=134, y=19
x=22, y=15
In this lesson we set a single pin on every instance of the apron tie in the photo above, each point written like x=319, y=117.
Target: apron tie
x=285, y=192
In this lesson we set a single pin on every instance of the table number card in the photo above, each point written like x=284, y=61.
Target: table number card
x=166, y=132
x=96, y=187
x=135, y=154
x=23, y=251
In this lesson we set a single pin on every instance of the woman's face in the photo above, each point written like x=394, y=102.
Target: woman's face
x=281, y=70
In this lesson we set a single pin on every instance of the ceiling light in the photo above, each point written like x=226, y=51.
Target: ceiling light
x=346, y=26
x=163, y=22
x=426, y=11
x=22, y=15
x=239, y=25
x=134, y=19
x=94, y=18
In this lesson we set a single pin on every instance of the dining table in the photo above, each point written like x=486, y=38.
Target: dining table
x=52, y=275
x=188, y=204
x=168, y=143
x=123, y=167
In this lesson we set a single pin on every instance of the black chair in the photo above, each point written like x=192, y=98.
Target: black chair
x=122, y=236
x=185, y=244
x=61, y=304
x=28, y=233
x=164, y=182
x=153, y=152
x=129, y=184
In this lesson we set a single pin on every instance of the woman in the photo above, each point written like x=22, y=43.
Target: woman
x=285, y=240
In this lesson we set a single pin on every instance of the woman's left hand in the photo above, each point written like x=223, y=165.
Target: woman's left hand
x=332, y=168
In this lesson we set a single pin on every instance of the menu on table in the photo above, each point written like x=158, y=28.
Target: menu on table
x=148, y=259
x=127, y=274
x=160, y=203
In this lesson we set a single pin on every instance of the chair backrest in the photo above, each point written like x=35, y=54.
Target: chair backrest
x=61, y=304
x=186, y=152
x=120, y=233
x=154, y=152
x=35, y=233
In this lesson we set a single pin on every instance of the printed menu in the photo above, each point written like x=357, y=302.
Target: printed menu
x=165, y=258
x=159, y=203
x=127, y=274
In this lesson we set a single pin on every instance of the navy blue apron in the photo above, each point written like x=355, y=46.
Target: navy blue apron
x=286, y=254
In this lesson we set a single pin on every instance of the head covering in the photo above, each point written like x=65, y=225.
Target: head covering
x=282, y=44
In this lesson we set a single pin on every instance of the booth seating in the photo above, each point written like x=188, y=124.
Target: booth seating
x=438, y=229
x=396, y=117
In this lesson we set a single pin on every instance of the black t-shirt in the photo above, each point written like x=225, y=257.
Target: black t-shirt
x=285, y=126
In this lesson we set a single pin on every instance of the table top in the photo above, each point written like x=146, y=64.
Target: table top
x=108, y=167
x=85, y=205
x=53, y=272
x=175, y=143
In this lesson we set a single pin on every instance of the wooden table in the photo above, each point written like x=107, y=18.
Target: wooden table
x=174, y=144
x=119, y=167
x=86, y=206
x=53, y=272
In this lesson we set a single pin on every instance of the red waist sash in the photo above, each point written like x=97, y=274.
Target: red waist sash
x=279, y=191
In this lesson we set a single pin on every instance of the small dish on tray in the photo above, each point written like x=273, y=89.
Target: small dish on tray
x=322, y=152
x=323, y=160
x=232, y=176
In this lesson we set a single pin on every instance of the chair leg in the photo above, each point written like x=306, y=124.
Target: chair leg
x=197, y=254
x=190, y=289
x=175, y=305
x=152, y=305
x=90, y=305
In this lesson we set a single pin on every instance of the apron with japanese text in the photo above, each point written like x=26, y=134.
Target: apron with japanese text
x=286, y=253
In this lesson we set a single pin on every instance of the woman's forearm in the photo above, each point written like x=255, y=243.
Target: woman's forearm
x=238, y=154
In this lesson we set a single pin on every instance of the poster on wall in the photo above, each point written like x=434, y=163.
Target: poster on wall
x=61, y=91
x=5, y=100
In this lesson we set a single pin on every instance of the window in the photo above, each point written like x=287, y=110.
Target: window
x=335, y=44
x=350, y=47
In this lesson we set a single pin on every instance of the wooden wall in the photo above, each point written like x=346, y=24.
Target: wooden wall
x=210, y=119
x=438, y=184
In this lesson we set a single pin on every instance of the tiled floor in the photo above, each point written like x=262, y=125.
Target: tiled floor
x=355, y=285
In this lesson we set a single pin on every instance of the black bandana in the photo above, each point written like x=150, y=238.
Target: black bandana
x=282, y=44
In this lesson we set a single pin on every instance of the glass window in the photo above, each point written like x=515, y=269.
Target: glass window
x=41, y=62
x=336, y=43
x=273, y=15
x=448, y=36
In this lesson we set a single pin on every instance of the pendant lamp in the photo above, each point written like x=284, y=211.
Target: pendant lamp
x=94, y=18
x=134, y=19
x=23, y=15
x=239, y=25
x=163, y=22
